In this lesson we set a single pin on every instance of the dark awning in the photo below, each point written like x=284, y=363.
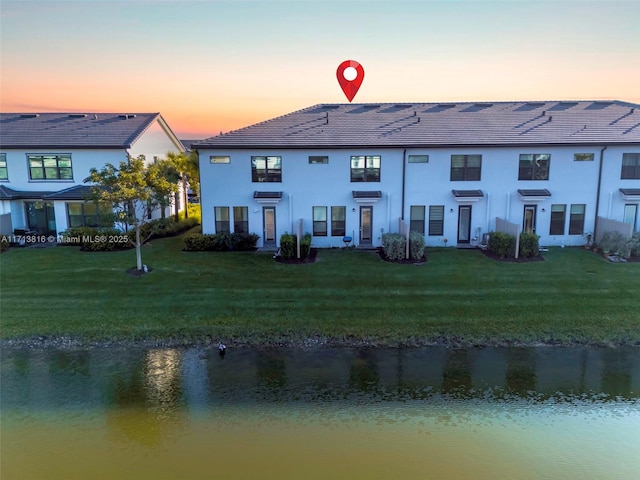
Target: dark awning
x=542, y=192
x=630, y=192
x=367, y=194
x=467, y=193
x=267, y=194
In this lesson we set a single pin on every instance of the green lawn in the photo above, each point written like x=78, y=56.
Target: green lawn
x=458, y=296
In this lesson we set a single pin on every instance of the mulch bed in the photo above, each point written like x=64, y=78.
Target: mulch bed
x=537, y=258
x=409, y=261
x=134, y=272
x=313, y=254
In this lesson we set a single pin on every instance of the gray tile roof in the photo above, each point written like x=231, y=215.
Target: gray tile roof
x=78, y=192
x=72, y=130
x=441, y=125
x=7, y=193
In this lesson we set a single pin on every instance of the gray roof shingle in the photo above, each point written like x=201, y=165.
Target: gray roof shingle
x=441, y=125
x=72, y=130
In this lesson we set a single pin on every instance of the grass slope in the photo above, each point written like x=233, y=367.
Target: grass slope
x=459, y=296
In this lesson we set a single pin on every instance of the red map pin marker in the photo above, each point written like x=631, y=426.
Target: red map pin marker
x=350, y=75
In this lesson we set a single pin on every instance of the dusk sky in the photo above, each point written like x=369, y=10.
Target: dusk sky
x=211, y=66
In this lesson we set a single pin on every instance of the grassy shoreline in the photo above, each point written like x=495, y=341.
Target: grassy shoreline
x=60, y=296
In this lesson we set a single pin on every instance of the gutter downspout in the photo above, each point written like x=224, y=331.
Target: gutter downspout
x=404, y=169
x=595, y=223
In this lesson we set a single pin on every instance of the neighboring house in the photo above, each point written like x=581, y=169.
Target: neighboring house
x=45, y=158
x=447, y=169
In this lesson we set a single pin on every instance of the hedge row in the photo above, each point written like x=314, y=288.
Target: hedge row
x=394, y=246
x=289, y=245
x=220, y=242
x=504, y=245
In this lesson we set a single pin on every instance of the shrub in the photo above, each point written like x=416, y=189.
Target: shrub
x=220, y=242
x=289, y=247
x=393, y=245
x=529, y=246
x=4, y=244
x=615, y=242
x=416, y=245
x=502, y=244
x=635, y=244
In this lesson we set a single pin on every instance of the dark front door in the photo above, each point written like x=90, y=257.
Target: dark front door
x=269, y=223
x=529, y=222
x=464, y=224
x=41, y=217
x=366, y=219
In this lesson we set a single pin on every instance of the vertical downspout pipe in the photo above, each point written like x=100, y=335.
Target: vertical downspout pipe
x=404, y=169
x=595, y=222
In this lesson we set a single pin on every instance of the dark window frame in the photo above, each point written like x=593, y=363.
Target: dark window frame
x=241, y=219
x=466, y=173
x=338, y=227
x=221, y=225
x=50, y=173
x=417, y=224
x=84, y=215
x=532, y=168
x=436, y=225
x=366, y=173
x=557, y=219
x=576, y=220
x=271, y=174
x=319, y=226
x=631, y=171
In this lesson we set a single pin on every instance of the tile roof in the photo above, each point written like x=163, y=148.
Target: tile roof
x=441, y=125
x=72, y=130
x=7, y=193
x=78, y=192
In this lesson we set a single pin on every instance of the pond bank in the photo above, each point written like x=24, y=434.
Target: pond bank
x=72, y=342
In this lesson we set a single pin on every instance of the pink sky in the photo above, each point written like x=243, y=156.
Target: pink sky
x=217, y=66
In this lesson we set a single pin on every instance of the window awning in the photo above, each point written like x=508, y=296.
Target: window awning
x=467, y=195
x=535, y=195
x=366, y=196
x=267, y=198
x=630, y=193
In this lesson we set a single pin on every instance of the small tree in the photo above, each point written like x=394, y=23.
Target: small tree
x=128, y=191
x=162, y=177
x=186, y=166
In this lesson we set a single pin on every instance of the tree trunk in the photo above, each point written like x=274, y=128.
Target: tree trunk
x=186, y=197
x=138, y=249
x=175, y=202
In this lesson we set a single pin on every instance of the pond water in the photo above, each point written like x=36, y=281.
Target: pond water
x=491, y=413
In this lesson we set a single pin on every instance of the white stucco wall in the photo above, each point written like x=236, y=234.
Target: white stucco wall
x=154, y=142
x=306, y=185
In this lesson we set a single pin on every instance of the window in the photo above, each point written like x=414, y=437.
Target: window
x=576, y=219
x=465, y=167
x=416, y=223
x=320, y=221
x=266, y=169
x=630, y=166
x=338, y=221
x=318, y=160
x=50, y=167
x=583, y=157
x=534, y=166
x=241, y=219
x=418, y=158
x=221, y=215
x=219, y=159
x=558, y=215
x=4, y=174
x=630, y=214
x=436, y=220
x=365, y=168
x=83, y=215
